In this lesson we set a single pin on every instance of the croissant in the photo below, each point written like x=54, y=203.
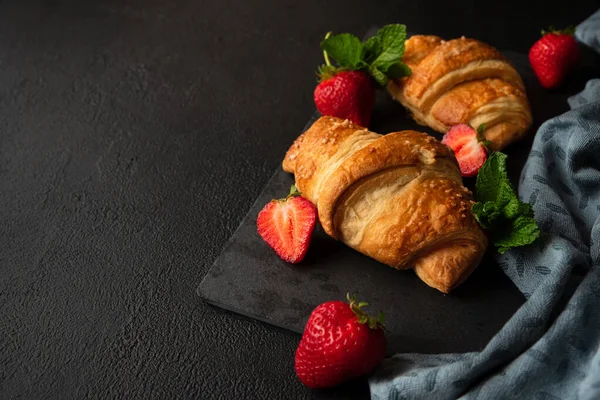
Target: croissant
x=463, y=81
x=397, y=198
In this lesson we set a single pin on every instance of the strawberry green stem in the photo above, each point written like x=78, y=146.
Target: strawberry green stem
x=569, y=30
x=364, y=318
x=325, y=55
x=294, y=191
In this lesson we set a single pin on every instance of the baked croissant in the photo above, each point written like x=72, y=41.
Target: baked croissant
x=397, y=198
x=463, y=81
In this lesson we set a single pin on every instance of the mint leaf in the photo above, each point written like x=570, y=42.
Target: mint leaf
x=519, y=232
x=380, y=55
x=379, y=76
x=390, y=46
x=383, y=54
x=512, y=207
x=372, y=48
x=480, y=215
x=486, y=213
x=490, y=177
x=498, y=209
x=345, y=48
x=525, y=209
x=398, y=70
x=505, y=194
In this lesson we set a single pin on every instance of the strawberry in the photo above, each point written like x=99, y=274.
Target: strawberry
x=347, y=90
x=554, y=56
x=287, y=225
x=347, y=95
x=469, y=147
x=340, y=342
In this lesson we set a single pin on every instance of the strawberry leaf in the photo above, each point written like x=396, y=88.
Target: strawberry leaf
x=480, y=129
x=294, y=191
x=325, y=72
x=487, y=144
x=372, y=323
x=345, y=48
x=379, y=76
x=569, y=30
x=362, y=317
x=481, y=138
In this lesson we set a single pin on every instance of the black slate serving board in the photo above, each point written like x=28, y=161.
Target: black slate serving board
x=248, y=277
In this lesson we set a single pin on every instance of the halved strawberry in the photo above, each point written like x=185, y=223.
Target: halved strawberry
x=469, y=147
x=287, y=225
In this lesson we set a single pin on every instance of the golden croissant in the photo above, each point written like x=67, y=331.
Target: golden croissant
x=463, y=81
x=397, y=198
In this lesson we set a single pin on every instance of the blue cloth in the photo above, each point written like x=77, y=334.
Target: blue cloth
x=588, y=31
x=550, y=348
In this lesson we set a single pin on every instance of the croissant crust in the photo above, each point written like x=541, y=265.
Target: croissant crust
x=463, y=81
x=397, y=198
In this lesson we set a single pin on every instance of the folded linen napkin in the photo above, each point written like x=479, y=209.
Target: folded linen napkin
x=550, y=348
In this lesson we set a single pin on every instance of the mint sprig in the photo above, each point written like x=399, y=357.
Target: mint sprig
x=499, y=210
x=380, y=56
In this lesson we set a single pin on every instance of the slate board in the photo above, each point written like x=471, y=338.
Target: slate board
x=248, y=278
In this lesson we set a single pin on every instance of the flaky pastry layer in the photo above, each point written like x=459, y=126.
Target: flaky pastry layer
x=397, y=198
x=454, y=81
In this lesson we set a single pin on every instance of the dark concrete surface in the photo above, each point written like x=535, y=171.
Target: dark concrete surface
x=134, y=137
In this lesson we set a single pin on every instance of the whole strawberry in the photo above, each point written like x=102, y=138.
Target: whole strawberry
x=347, y=90
x=554, y=56
x=287, y=225
x=340, y=342
x=347, y=95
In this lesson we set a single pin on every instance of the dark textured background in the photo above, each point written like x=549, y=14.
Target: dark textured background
x=134, y=136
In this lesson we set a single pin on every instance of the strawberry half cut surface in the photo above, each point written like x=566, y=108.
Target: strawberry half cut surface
x=468, y=146
x=340, y=342
x=287, y=225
